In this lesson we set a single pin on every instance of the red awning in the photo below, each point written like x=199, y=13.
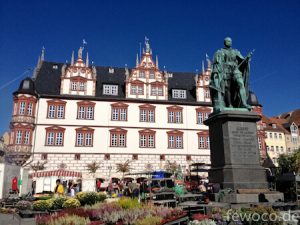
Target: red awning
x=56, y=173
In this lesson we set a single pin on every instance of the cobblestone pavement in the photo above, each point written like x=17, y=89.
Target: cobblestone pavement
x=7, y=219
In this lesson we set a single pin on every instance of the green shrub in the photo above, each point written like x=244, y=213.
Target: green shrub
x=128, y=203
x=101, y=197
x=153, y=220
x=58, y=202
x=87, y=198
x=42, y=205
x=71, y=203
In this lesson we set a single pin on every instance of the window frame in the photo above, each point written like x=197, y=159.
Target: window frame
x=83, y=110
x=173, y=137
x=56, y=104
x=119, y=143
x=147, y=133
x=179, y=93
x=84, y=132
x=173, y=112
x=55, y=130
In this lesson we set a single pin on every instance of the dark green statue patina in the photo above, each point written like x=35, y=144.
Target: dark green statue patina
x=229, y=79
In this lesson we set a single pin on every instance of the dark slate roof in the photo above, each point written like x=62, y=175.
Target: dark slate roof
x=47, y=83
x=27, y=86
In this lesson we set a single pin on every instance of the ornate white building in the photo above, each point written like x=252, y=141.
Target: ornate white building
x=79, y=113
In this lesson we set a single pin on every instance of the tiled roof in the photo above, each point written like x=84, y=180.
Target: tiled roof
x=269, y=127
x=47, y=82
x=290, y=117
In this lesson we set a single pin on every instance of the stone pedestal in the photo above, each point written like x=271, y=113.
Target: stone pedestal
x=234, y=151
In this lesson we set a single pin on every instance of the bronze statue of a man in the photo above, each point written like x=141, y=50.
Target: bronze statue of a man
x=229, y=78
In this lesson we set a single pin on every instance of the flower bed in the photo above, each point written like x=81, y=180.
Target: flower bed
x=125, y=211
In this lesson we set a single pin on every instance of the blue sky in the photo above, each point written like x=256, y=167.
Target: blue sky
x=180, y=33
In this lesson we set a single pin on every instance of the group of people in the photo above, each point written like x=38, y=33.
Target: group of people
x=71, y=190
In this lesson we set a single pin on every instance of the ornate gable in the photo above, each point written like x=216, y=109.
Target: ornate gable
x=146, y=81
x=78, y=78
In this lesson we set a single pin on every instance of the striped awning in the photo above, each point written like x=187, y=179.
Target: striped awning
x=56, y=173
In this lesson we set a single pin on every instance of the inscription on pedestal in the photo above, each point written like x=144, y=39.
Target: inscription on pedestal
x=243, y=143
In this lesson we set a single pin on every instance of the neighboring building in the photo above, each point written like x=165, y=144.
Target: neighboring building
x=290, y=122
x=275, y=138
x=78, y=113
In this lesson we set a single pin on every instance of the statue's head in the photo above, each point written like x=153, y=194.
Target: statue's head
x=227, y=42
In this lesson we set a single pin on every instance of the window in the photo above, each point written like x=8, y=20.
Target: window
x=85, y=110
x=81, y=86
x=118, y=138
x=270, y=135
x=280, y=136
x=202, y=114
x=275, y=135
x=272, y=148
x=74, y=86
x=106, y=156
x=44, y=156
x=22, y=108
x=259, y=143
x=175, y=139
x=274, y=125
x=151, y=75
x=281, y=148
x=137, y=89
x=18, y=137
x=174, y=114
x=84, y=137
x=147, y=113
x=110, y=89
x=277, y=149
x=207, y=93
x=203, y=140
x=29, y=109
x=119, y=112
x=147, y=138
x=157, y=88
x=141, y=74
x=177, y=93
x=162, y=157
x=268, y=148
x=78, y=84
x=55, y=136
x=56, y=109
x=135, y=157
x=77, y=157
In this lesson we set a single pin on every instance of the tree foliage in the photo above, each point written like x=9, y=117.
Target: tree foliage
x=123, y=167
x=290, y=163
x=93, y=167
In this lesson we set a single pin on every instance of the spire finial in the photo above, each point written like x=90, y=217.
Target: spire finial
x=72, y=59
x=208, y=61
x=80, y=50
x=137, y=60
x=156, y=61
x=203, y=67
x=39, y=62
x=87, y=59
x=148, y=50
x=43, y=54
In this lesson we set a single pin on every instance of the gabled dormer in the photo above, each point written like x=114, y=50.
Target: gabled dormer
x=146, y=81
x=202, y=83
x=78, y=78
